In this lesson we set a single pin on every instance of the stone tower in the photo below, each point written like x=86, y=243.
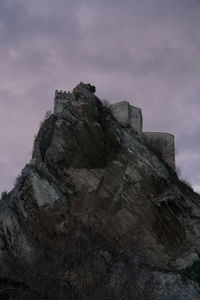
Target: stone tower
x=131, y=116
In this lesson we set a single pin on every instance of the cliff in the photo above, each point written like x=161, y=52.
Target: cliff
x=97, y=214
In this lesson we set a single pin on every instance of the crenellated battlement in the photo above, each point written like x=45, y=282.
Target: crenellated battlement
x=60, y=99
x=62, y=95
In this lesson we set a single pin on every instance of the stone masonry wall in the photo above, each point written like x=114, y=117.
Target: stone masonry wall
x=135, y=115
x=127, y=115
x=60, y=100
x=163, y=144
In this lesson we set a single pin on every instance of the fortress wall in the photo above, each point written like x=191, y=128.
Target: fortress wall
x=135, y=114
x=58, y=105
x=120, y=111
x=127, y=115
x=130, y=116
x=60, y=100
x=162, y=143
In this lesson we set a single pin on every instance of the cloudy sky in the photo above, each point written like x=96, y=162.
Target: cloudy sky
x=143, y=51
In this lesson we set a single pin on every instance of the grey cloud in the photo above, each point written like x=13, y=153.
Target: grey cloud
x=144, y=51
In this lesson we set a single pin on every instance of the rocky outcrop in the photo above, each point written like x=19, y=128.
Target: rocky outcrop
x=96, y=214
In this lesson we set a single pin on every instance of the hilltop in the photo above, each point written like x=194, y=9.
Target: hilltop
x=99, y=212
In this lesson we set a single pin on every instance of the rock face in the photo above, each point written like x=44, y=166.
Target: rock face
x=96, y=214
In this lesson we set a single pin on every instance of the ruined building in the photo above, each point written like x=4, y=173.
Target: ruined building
x=161, y=142
x=129, y=116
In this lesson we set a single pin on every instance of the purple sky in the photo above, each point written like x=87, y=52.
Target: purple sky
x=143, y=51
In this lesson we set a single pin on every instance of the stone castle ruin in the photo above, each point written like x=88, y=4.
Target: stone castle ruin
x=161, y=142
x=131, y=117
x=60, y=100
